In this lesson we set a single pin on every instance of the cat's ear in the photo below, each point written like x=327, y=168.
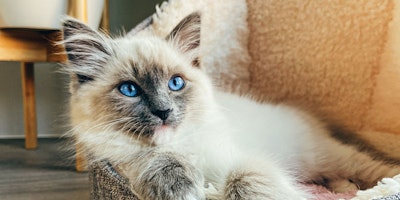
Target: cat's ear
x=87, y=50
x=186, y=36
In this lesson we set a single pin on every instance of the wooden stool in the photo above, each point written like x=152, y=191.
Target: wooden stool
x=29, y=46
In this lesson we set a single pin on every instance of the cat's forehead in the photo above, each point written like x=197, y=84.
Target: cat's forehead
x=147, y=50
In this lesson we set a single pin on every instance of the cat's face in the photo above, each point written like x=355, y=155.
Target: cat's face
x=141, y=86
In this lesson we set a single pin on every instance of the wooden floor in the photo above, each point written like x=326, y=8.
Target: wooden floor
x=45, y=173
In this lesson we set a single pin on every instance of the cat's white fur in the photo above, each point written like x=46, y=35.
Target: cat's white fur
x=299, y=141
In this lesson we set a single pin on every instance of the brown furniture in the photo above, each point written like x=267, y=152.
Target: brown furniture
x=29, y=46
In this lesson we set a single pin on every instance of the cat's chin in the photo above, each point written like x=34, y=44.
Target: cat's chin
x=162, y=134
x=154, y=135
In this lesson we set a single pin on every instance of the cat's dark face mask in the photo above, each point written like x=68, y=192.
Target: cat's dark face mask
x=156, y=102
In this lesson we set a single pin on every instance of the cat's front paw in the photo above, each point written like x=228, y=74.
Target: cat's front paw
x=169, y=177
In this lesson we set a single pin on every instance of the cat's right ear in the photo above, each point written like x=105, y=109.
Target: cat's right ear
x=87, y=50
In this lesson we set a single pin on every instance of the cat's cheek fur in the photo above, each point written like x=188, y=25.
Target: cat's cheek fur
x=201, y=103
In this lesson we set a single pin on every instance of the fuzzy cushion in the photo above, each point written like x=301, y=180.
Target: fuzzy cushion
x=106, y=183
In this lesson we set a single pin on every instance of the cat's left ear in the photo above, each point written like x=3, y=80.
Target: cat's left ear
x=87, y=50
x=186, y=36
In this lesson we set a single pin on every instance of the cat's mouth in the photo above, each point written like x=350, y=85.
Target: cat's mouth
x=165, y=125
x=156, y=134
x=151, y=130
x=162, y=129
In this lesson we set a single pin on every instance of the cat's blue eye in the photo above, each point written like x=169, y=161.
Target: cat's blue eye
x=176, y=83
x=129, y=89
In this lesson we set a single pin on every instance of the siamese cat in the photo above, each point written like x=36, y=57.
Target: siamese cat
x=144, y=104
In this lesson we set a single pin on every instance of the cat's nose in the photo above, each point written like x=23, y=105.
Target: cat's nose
x=162, y=114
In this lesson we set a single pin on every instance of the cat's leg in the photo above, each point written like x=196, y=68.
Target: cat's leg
x=161, y=175
x=261, y=180
x=367, y=174
x=346, y=168
x=360, y=173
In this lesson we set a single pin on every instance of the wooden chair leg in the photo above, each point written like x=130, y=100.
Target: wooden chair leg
x=81, y=12
x=28, y=97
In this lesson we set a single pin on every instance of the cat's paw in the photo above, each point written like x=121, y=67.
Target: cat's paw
x=169, y=177
x=252, y=185
x=342, y=186
x=251, y=192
